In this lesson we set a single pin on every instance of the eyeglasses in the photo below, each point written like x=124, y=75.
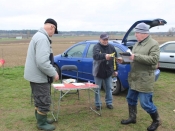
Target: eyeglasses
x=54, y=26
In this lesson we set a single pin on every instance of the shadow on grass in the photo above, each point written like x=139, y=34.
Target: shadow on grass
x=172, y=71
x=123, y=93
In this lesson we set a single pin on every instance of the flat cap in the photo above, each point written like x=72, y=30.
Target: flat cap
x=142, y=28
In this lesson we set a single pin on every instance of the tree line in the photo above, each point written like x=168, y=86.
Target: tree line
x=28, y=33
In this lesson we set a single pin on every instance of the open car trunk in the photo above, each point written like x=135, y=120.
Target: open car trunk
x=129, y=39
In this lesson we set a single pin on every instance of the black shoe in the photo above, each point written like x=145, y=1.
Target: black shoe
x=109, y=106
x=98, y=108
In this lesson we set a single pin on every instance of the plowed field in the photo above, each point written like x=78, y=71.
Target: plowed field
x=14, y=51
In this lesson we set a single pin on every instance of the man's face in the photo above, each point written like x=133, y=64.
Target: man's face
x=104, y=41
x=52, y=30
x=140, y=36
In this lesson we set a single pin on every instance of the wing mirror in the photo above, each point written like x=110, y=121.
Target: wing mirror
x=64, y=55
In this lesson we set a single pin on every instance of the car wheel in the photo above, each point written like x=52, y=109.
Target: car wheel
x=116, y=88
x=57, y=69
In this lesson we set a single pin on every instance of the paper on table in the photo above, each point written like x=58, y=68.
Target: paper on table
x=66, y=81
x=58, y=85
x=78, y=84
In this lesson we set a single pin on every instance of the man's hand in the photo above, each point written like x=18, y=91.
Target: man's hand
x=119, y=60
x=56, y=77
x=132, y=57
x=108, y=56
x=115, y=73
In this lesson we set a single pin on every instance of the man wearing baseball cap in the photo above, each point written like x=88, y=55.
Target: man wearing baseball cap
x=53, y=22
x=145, y=56
x=39, y=71
x=104, y=67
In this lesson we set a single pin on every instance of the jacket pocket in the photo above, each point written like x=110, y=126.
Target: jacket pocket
x=147, y=77
x=133, y=76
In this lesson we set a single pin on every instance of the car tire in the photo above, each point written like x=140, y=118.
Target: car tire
x=116, y=87
x=57, y=69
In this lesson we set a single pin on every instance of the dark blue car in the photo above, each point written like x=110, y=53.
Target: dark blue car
x=80, y=55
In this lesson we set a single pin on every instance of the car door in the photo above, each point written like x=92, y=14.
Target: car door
x=73, y=56
x=167, y=56
x=87, y=62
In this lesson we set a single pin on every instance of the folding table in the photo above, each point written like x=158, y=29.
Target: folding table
x=69, y=87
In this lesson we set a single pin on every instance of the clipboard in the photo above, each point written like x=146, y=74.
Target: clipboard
x=125, y=56
x=125, y=53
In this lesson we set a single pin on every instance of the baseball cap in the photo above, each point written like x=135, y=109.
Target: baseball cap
x=52, y=21
x=104, y=36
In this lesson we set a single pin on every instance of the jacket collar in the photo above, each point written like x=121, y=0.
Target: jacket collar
x=42, y=30
x=144, y=42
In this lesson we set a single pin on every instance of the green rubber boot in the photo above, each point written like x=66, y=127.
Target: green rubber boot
x=42, y=122
x=49, y=120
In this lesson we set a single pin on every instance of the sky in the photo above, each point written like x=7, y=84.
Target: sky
x=84, y=15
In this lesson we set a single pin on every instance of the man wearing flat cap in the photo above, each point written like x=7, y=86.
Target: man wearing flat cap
x=104, y=67
x=145, y=56
x=39, y=71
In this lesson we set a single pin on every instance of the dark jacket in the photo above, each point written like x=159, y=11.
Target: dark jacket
x=103, y=68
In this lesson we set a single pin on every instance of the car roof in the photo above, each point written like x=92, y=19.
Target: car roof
x=166, y=43
x=112, y=42
x=96, y=41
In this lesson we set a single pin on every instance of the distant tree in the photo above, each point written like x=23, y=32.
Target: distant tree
x=28, y=34
x=171, y=31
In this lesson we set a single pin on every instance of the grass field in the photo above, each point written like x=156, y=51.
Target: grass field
x=17, y=114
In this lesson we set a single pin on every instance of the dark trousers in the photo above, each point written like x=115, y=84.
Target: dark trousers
x=42, y=96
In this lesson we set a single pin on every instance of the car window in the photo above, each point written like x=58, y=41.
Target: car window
x=118, y=51
x=90, y=51
x=131, y=35
x=76, y=51
x=168, y=48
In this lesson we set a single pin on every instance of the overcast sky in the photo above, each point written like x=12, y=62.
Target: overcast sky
x=84, y=15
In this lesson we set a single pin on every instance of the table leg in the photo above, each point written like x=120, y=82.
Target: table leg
x=59, y=102
x=90, y=105
x=52, y=101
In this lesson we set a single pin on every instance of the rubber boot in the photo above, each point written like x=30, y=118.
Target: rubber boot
x=156, y=121
x=132, y=115
x=42, y=122
x=49, y=120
